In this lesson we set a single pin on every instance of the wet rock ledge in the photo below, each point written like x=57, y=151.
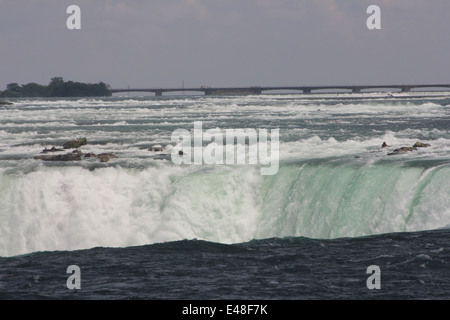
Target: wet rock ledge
x=75, y=155
x=406, y=149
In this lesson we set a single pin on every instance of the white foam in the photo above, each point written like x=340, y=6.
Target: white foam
x=136, y=199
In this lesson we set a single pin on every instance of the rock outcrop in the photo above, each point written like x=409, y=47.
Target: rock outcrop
x=104, y=157
x=72, y=156
x=75, y=155
x=52, y=149
x=156, y=148
x=90, y=155
x=407, y=149
x=73, y=144
x=420, y=145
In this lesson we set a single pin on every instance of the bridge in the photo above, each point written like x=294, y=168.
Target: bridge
x=302, y=89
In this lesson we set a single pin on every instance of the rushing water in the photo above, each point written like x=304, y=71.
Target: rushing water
x=337, y=201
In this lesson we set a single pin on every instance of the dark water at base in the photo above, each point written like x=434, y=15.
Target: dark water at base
x=412, y=265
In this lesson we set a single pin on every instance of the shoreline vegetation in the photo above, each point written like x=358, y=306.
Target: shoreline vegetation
x=56, y=88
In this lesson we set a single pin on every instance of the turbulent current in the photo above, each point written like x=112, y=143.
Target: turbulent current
x=334, y=179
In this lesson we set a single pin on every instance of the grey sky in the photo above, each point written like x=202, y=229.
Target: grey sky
x=159, y=43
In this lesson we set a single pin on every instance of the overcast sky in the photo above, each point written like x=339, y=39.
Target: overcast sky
x=160, y=43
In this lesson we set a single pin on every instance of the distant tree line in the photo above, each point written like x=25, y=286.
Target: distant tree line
x=57, y=88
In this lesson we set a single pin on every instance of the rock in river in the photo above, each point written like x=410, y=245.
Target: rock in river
x=75, y=143
x=402, y=149
x=104, y=157
x=420, y=145
x=73, y=156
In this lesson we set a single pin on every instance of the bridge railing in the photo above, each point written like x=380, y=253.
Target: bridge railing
x=303, y=89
